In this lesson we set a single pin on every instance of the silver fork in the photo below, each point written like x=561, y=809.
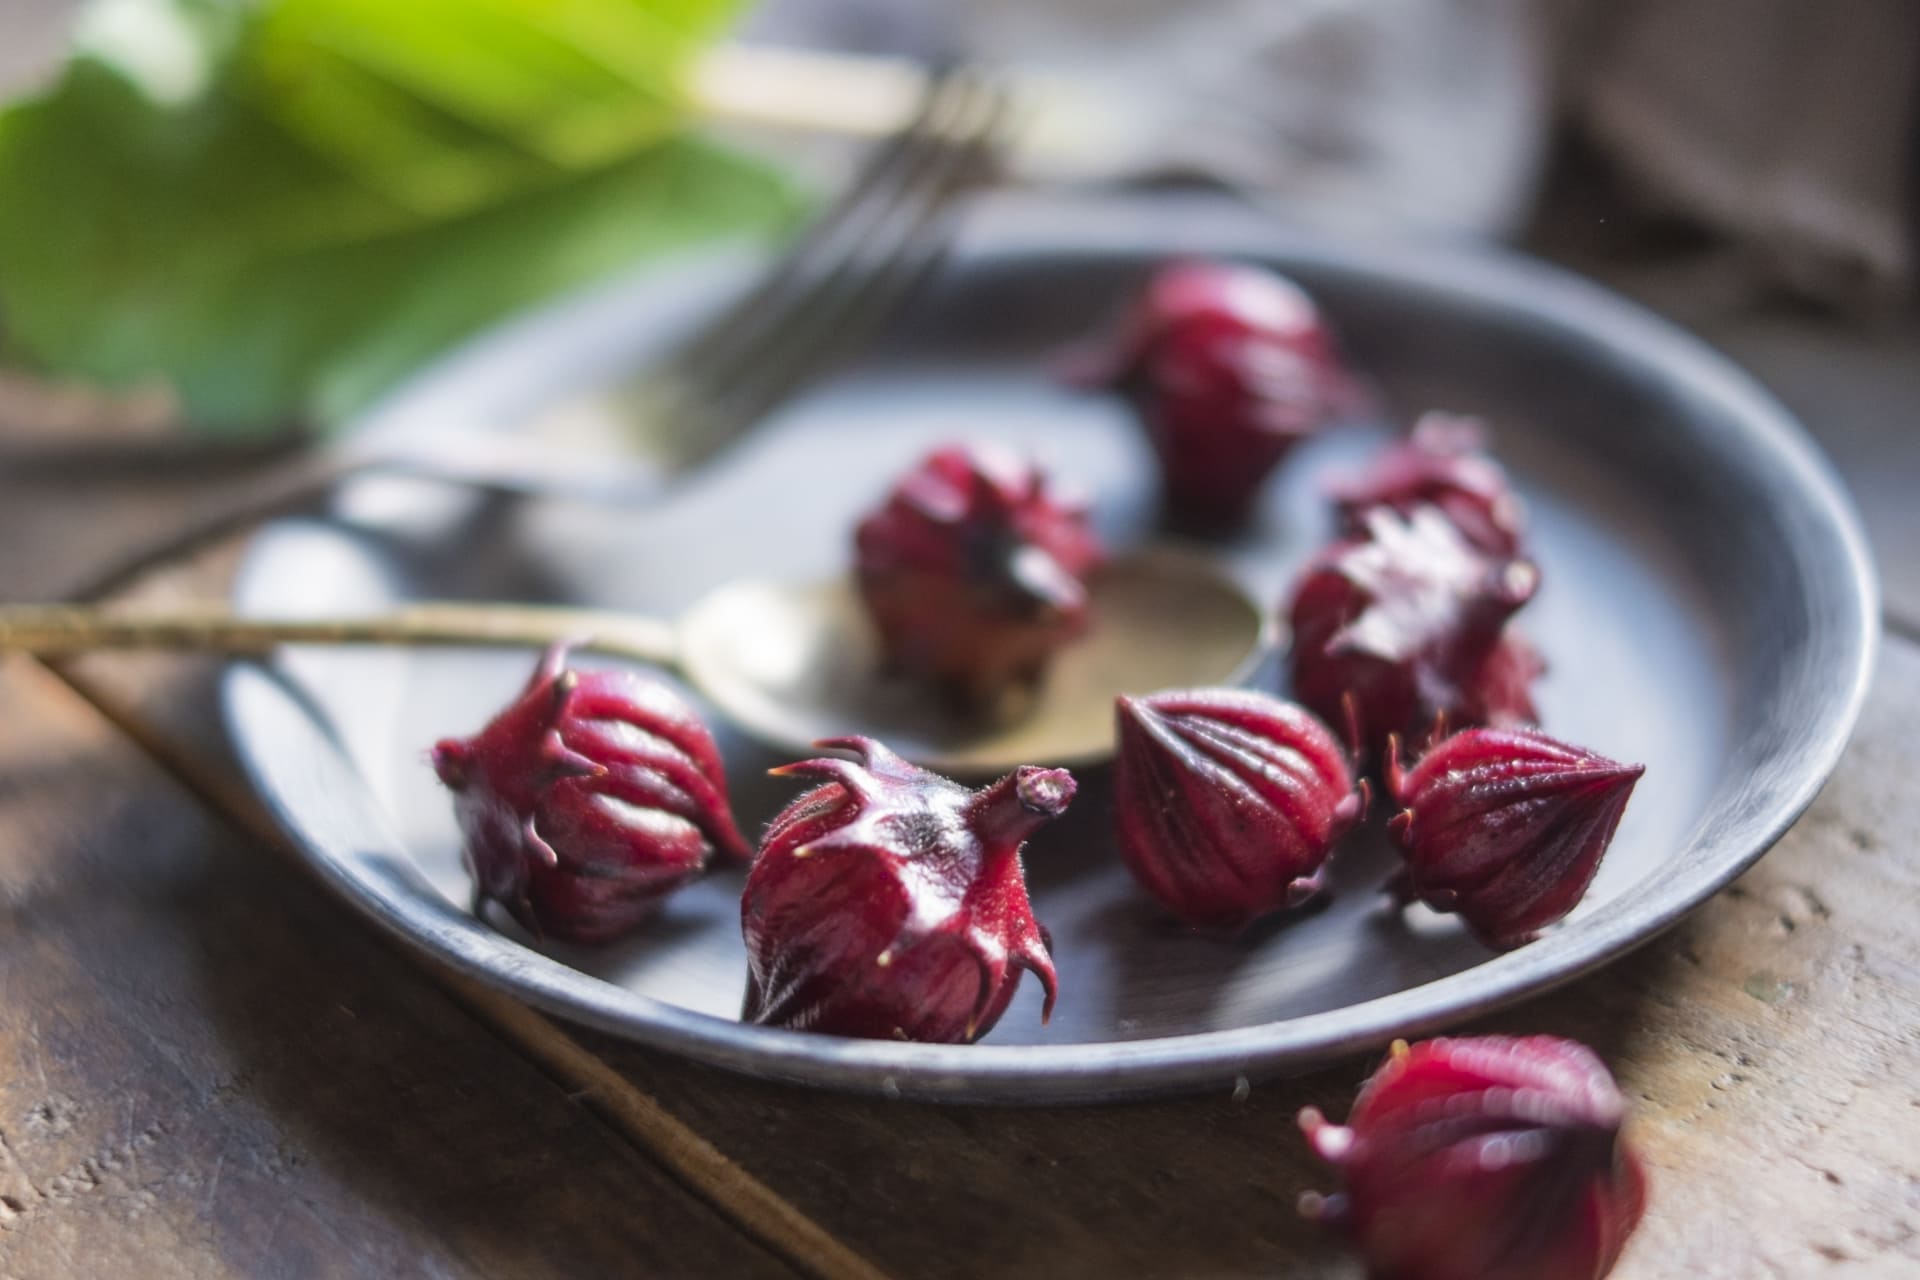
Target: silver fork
x=823, y=300
x=828, y=298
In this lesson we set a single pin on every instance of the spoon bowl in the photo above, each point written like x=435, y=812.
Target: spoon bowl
x=789, y=664
x=792, y=665
x=1710, y=612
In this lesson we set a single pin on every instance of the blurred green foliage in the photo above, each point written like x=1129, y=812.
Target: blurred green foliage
x=281, y=208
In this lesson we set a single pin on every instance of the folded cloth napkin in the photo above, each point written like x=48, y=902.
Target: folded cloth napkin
x=1428, y=114
x=1786, y=125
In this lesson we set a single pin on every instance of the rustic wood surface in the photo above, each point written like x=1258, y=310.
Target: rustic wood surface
x=210, y=1067
x=1769, y=1044
x=206, y=1070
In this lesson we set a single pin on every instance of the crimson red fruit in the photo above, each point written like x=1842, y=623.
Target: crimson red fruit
x=890, y=901
x=1505, y=827
x=973, y=574
x=1408, y=624
x=1442, y=464
x=1483, y=1159
x=1228, y=802
x=587, y=801
x=1229, y=367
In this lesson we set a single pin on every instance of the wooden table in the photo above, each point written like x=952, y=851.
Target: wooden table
x=210, y=1067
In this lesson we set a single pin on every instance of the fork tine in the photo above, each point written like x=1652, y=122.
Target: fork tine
x=843, y=321
x=895, y=257
x=921, y=242
x=827, y=241
x=824, y=296
x=670, y=405
x=912, y=175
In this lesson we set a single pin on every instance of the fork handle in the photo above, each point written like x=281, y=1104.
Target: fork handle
x=57, y=630
x=506, y=465
x=523, y=466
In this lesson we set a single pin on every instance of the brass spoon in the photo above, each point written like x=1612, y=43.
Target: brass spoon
x=787, y=664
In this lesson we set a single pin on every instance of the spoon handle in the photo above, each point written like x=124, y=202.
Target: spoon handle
x=51, y=630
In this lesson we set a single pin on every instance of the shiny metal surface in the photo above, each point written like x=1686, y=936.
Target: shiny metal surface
x=1708, y=610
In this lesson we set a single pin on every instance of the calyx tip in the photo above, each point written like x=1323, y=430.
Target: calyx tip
x=1046, y=792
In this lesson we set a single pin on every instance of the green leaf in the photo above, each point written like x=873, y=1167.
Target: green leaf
x=282, y=210
x=443, y=103
x=371, y=312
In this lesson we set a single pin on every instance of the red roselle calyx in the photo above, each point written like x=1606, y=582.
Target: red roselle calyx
x=1229, y=367
x=587, y=801
x=890, y=901
x=973, y=574
x=1505, y=827
x=1228, y=802
x=1483, y=1159
x=1442, y=464
x=1393, y=631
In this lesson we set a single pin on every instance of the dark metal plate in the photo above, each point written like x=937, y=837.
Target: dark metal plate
x=1708, y=610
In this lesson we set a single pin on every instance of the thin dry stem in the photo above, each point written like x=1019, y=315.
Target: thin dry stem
x=54, y=630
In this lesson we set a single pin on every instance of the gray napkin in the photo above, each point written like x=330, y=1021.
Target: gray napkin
x=1785, y=125
x=1423, y=114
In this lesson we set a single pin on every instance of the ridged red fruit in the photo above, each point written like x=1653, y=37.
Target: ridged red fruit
x=1484, y=1159
x=889, y=902
x=973, y=574
x=1229, y=367
x=1408, y=624
x=587, y=801
x=1228, y=802
x=1441, y=464
x=1506, y=827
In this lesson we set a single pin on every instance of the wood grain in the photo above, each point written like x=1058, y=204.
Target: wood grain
x=1768, y=1043
x=167, y=705
x=72, y=509
x=211, y=1069
x=207, y=1069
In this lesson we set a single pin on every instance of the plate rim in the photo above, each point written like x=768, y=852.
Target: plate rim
x=1103, y=1071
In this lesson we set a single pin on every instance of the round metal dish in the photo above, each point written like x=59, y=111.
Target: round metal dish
x=1709, y=610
